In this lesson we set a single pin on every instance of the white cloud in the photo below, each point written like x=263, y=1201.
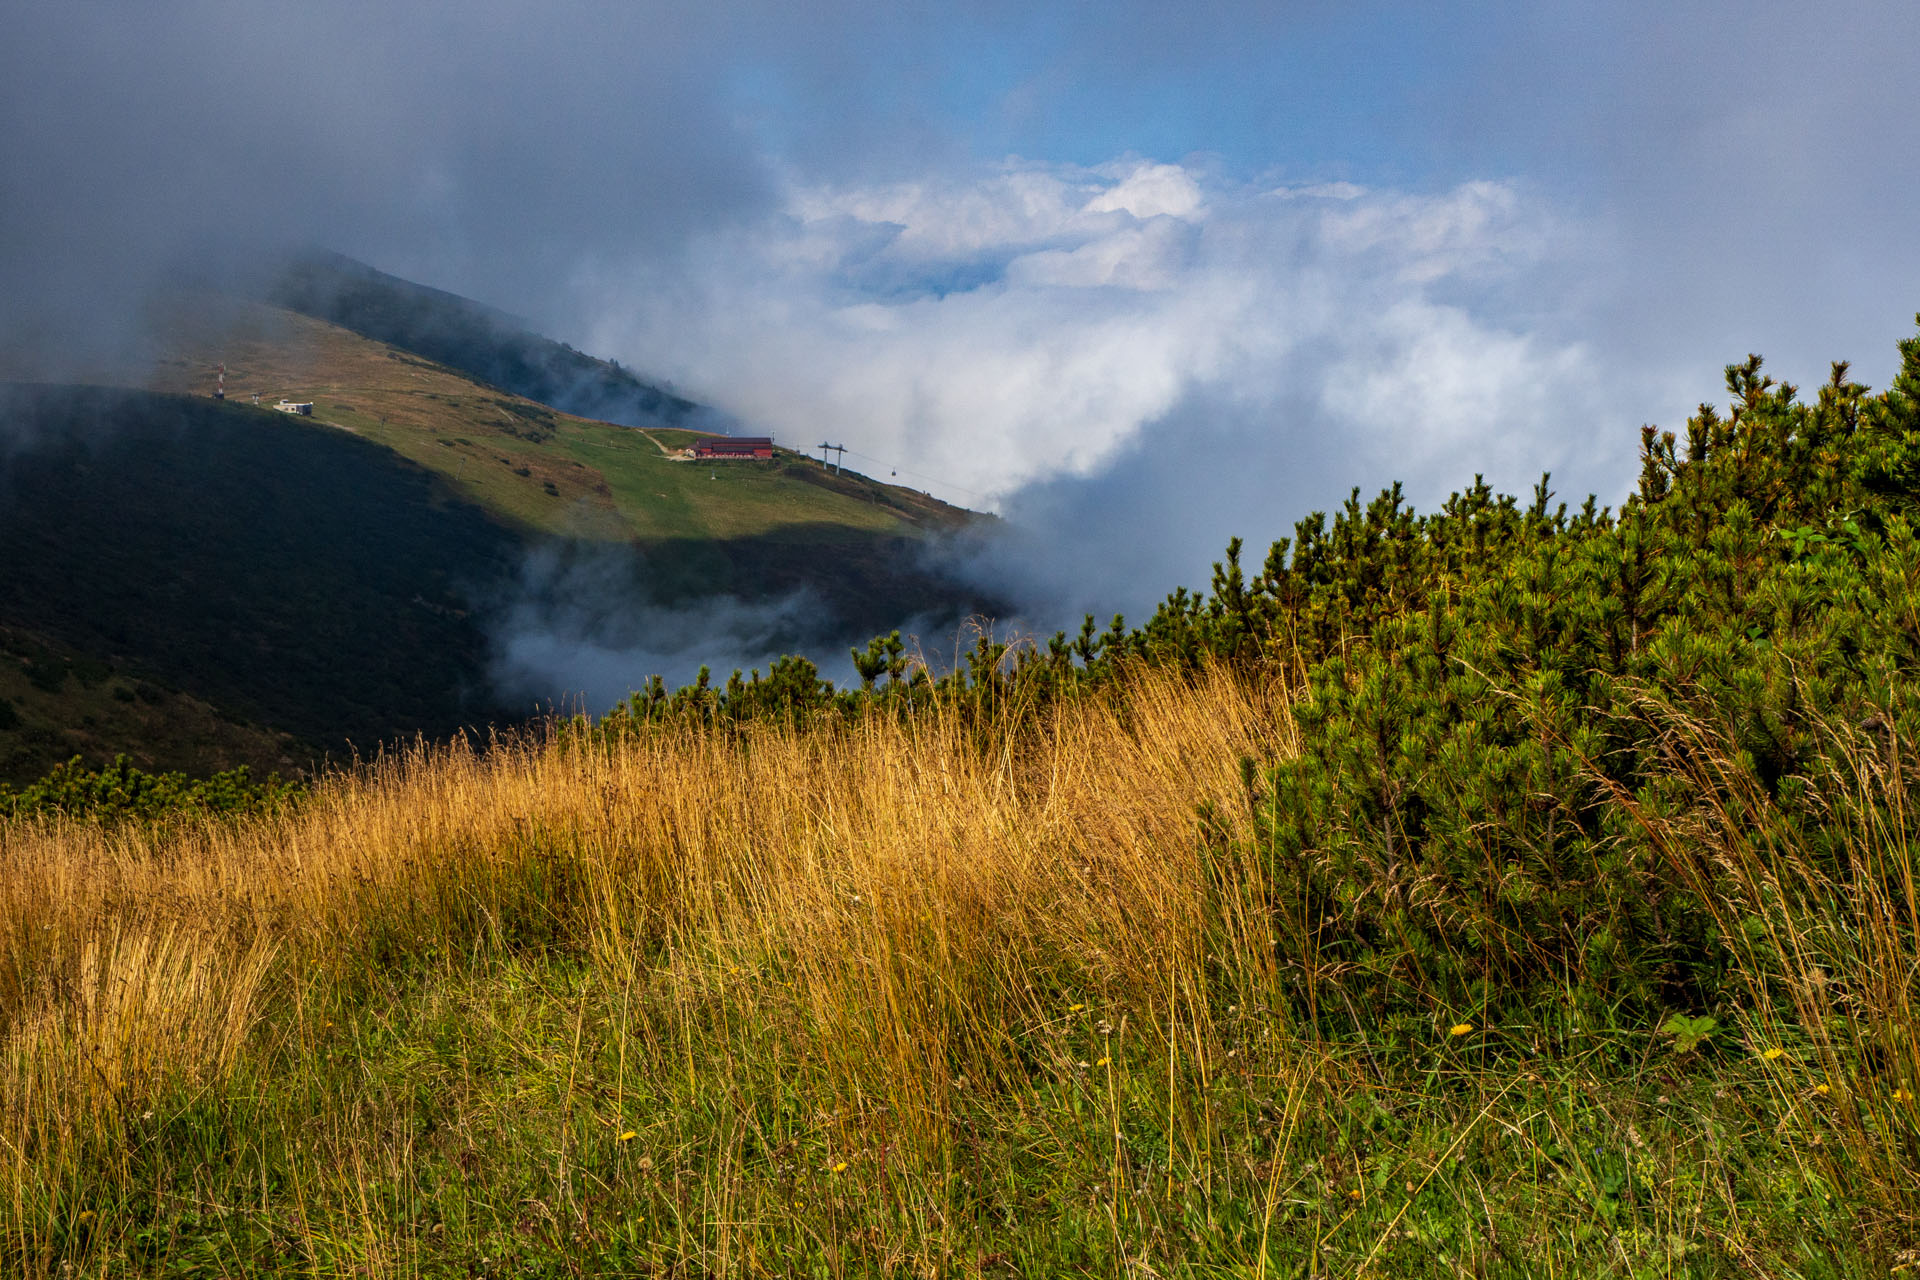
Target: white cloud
x=1002, y=328
x=1321, y=191
x=1149, y=191
x=1149, y=256
x=1436, y=386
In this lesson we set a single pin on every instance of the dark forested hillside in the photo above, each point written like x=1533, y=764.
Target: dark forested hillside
x=288, y=572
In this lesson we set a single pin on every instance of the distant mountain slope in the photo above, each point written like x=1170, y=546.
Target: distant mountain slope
x=488, y=345
x=191, y=581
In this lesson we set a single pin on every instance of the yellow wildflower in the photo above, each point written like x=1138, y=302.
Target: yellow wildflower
x=1460, y=1029
x=1075, y=1008
x=1822, y=1090
x=1103, y=1062
x=1901, y=1095
x=841, y=1167
x=628, y=1136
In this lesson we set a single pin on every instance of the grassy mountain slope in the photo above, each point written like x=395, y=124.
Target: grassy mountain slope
x=529, y=465
x=750, y=529
x=56, y=704
x=490, y=346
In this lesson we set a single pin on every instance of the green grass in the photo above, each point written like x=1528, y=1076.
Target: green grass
x=471, y=1117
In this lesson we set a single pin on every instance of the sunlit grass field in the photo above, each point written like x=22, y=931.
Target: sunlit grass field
x=941, y=995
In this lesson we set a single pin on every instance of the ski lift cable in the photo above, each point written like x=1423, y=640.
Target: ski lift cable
x=946, y=484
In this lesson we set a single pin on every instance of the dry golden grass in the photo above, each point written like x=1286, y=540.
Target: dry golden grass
x=139, y=1009
x=901, y=882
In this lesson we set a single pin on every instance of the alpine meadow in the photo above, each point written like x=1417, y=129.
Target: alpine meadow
x=1512, y=889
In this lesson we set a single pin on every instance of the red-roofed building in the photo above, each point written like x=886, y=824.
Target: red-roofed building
x=724, y=447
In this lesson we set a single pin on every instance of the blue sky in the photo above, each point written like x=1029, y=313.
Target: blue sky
x=1316, y=90
x=1056, y=259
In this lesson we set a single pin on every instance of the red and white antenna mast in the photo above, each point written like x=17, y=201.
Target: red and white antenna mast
x=220, y=384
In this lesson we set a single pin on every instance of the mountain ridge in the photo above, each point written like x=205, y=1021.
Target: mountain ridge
x=492, y=346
